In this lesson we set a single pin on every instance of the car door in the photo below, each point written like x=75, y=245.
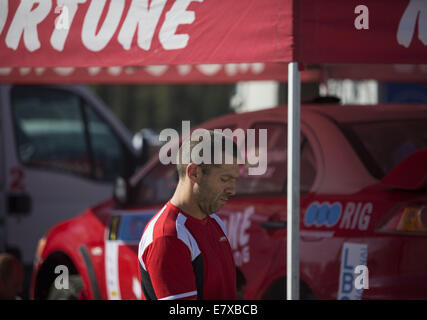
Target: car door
x=60, y=158
x=256, y=218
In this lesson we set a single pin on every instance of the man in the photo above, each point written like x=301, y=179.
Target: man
x=11, y=277
x=184, y=252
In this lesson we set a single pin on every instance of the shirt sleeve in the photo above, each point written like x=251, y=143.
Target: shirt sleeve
x=168, y=262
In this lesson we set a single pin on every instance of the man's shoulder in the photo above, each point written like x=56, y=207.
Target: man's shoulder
x=160, y=227
x=168, y=230
x=164, y=223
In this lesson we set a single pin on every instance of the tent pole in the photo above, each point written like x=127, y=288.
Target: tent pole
x=293, y=174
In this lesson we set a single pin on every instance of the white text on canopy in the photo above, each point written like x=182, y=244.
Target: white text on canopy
x=142, y=20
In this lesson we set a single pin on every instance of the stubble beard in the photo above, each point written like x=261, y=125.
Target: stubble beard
x=205, y=199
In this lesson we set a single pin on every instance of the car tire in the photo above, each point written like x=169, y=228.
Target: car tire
x=72, y=293
x=277, y=291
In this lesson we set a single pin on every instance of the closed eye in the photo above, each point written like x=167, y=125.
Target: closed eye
x=227, y=178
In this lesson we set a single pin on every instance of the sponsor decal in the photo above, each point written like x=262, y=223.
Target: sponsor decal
x=317, y=234
x=351, y=215
x=354, y=257
x=112, y=269
x=237, y=225
x=323, y=214
x=356, y=215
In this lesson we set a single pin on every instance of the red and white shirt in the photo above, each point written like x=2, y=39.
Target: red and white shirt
x=182, y=257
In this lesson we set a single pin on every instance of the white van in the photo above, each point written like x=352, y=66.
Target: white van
x=61, y=150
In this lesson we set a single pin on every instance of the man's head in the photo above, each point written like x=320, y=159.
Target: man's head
x=209, y=167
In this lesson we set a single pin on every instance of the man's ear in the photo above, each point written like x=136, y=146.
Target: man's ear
x=193, y=172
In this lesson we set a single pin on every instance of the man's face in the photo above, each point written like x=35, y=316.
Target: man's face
x=216, y=187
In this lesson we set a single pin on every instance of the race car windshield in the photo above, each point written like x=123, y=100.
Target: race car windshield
x=157, y=186
x=383, y=145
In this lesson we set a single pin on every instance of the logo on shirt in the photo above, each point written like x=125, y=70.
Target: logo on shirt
x=222, y=239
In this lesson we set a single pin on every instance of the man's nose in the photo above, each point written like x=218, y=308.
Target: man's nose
x=231, y=190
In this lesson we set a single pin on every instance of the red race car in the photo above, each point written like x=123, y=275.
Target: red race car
x=363, y=222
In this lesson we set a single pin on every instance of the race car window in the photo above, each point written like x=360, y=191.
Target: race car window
x=273, y=181
x=49, y=129
x=308, y=167
x=157, y=186
x=383, y=145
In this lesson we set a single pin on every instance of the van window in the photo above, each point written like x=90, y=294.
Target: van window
x=273, y=181
x=49, y=129
x=108, y=152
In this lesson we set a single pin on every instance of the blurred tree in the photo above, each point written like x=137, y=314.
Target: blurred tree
x=165, y=106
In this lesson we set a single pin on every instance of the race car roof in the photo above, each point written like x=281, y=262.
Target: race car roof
x=358, y=113
x=339, y=113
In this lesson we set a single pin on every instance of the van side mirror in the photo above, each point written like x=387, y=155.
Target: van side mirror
x=121, y=191
x=140, y=144
x=145, y=143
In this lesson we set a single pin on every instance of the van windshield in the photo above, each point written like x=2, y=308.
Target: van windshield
x=383, y=145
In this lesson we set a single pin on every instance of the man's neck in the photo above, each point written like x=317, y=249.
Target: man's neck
x=187, y=204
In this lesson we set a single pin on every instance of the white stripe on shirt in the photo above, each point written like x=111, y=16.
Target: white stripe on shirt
x=182, y=295
x=147, y=237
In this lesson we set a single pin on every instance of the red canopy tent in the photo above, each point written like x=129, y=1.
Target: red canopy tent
x=379, y=72
x=213, y=73
x=87, y=33
x=159, y=74
x=83, y=33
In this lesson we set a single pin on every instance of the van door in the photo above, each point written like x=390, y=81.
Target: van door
x=61, y=157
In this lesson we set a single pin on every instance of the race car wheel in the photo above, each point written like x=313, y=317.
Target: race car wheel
x=277, y=291
x=75, y=290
